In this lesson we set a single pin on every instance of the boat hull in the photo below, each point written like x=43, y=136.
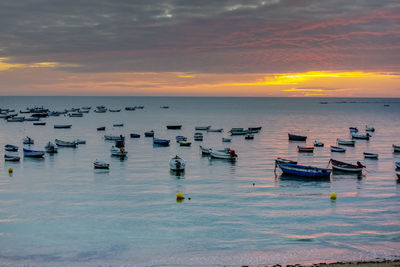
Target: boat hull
x=293, y=137
x=303, y=171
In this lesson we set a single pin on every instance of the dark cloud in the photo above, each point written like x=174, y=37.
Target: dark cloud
x=203, y=35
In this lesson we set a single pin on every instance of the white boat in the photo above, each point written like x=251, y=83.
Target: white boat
x=114, y=137
x=226, y=154
x=80, y=141
x=360, y=136
x=65, y=143
x=318, y=144
x=205, y=150
x=28, y=141
x=202, y=128
x=224, y=139
x=51, y=148
x=119, y=152
x=101, y=165
x=198, y=137
x=177, y=164
x=369, y=128
x=370, y=155
x=11, y=158
x=396, y=148
x=337, y=149
x=345, y=142
x=215, y=130
x=346, y=167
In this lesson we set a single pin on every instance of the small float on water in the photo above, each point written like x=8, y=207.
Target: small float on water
x=103, y=128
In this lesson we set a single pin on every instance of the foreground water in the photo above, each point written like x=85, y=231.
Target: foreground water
x=60, y=211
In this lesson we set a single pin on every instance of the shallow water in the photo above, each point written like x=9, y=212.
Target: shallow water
x=60, y=211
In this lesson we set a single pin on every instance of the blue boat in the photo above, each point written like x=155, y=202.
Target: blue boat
x=33, y=153
x=303, y=171
x=11, y=148
x=160, y=142
x=149, y=133
x=180, y=138
x=134, y=135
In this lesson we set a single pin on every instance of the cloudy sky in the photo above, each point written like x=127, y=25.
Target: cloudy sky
x=200, y=47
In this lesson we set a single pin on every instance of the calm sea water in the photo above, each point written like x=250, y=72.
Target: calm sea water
x=60, y=211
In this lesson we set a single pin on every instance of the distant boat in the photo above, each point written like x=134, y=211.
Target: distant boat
x=346, y=167
x=62, y=126
x=226, y=154
x=294, y=137
x=397, y=164
x=86, y=107
x=65, y=143
x=258, y=128
x=249, y=136
x=100, y=110
x=238, y=131
x=224, y=139
x=360, y=136
x=115, y=110
x=28, y=141
x=202, y=128
x=11, y=148
x=160, y=142
x=303, y=171
x=164, y=107
x=174, y=127
x=337, y=149
x=32, y=119
x=371, y=155
x=139, y=107
x=369, y=128
x=33, y=153
x=118, y=125
x=103, y=128
x=75, y=115
x=205, y=150
x=318, y=144
x=353, y=129
x=134, y=135
x=80, y=141
x=396, y=148
x=177, y=164
x=180, y=138
x=101, y=165
x=282, y=160
x=184, y=143
x=198, y=137
x=16, y=119
x=306, y=149
x=345, y=142
x=214, y=130
x=149, y=133
x=130, y=108
x=11, y=158
x=119, y=152
x=114, y=137
x=51, y=148
x=323, y=102
x=39, y=123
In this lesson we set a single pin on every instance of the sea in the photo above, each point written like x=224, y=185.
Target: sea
x=60, y=211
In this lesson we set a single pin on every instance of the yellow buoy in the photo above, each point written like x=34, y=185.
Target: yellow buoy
x=179, y=195
x=10, y=170
x=333, y=196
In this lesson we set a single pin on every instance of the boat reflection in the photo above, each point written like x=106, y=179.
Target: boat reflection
x=288, y=177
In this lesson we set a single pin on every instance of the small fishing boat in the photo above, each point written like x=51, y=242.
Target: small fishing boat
x=345, y=142
x=28, y=141
x=115, y=110
x=118, y=125
x=149, y=133
x=318, y=144
x=75, y=115
x=100, y=110
x=249, y=136
x=294, y=137
x=184, y=143
x=119, y=152
x=282, y=160
x=24, y=111
x=80, y=141
x=11, y=158
x=205, y=150
x=174, y=127
x=11, y=148
x=33, y=153
x=101, y=107
x=360, y=136
x=226, y=154
x=51, y=148
x=114, y=137
x=40, y=115
x=86, y=107
x=398, y=177
x=164, y=107
x=39, y=123
x=103, y=128
x=258, y=128
x=198, y=137
x=62, y=126
x=62, y=143
x=130, y=108
x=369, y=128
x=180, y=138
x=238, y=131
x=83, y=111
x=16, y=119
x=303, y=171
x=337, y=149
x=346, y=167
x=225, y=139
x=306, y=149
x=32, y=119
x=177, y=164
x=160, y=142
x=101, y=165
x=139, y=107
x=214, y=130
x=396, y=148
x=353, y=129
x=397, y=164
x=370, y=155
x=202, y=128
x=134, y=135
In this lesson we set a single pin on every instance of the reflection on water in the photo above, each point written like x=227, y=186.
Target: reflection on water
x=61, y=210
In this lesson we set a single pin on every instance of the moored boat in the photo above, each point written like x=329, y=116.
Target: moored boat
x=205, y=150
x=353, y=129
x=198, y=137
x=371, y=155
x=33, y=153
x=249, y=136
x=75, y=115
x=51, y=148
x=103, y=128
x=149, y=133
x=32, y=119
x=345, y=142
x=114, y=137
x=160, y=142
x=238, y=131
x=11, y=158
x=202, y=128
x=130, y=108
x=337, y=149
x=318, y=144
x=16, y=119
x=118, y=125
x=174, y=127
x=360, y=136
x=28, y=141
x=101, y=165
x=184, y=143
x=225, y=139
x=369, y=128
x=397, y=164
x=134, y=135
x=346, y=167
x=282, y=160
x=65, y=143
x=396, y=148
x=114, y=110
x=306, y=149
x=214, y=130
x=294, y=137
x=62, y=126
x=226, y=154
x=119, y=152
x=180, y=138
x=11, y=148
x=80, y=141
x=303, y=171
x=177, y=164
x=39, y=123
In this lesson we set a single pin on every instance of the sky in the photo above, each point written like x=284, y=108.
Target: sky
x=265, y=48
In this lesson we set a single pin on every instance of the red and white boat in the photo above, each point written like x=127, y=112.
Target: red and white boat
x=101, y=165
x=346, y=167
